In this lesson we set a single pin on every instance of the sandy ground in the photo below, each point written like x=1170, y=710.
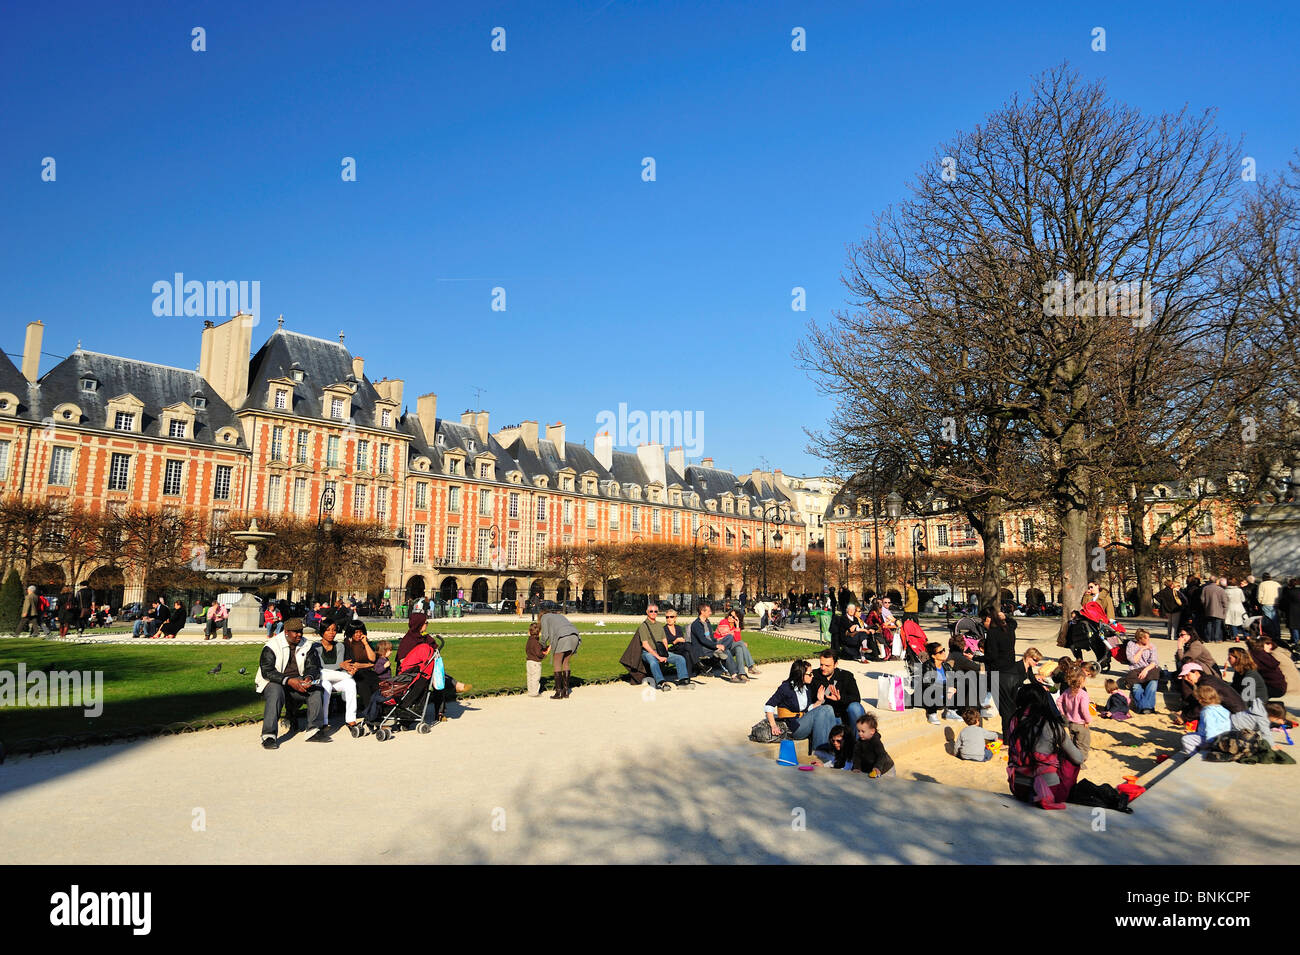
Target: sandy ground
x=613, y=775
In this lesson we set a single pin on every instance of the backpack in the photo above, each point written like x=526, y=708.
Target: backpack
x=762, y=733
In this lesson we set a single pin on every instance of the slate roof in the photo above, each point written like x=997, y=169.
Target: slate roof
x=323, y=363
x=12, y=380
x=157, y=386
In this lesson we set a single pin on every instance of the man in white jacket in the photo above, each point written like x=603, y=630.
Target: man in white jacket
x=288, y=675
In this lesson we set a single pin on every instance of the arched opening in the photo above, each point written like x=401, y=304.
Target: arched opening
x=536, y=590
x=562, y=591
x=108, y=584
x=448, y=589
x=478, y=592
x=48, y=578
x=415, y=588
x=509, y=589
x=589, y=595
x=727, y=593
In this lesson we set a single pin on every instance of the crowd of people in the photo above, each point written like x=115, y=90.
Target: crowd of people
x=62, y=613
x=1226, y=608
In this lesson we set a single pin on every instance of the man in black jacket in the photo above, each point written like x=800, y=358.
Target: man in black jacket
x=842, y=693
x=846, y=634
x=1000, y=659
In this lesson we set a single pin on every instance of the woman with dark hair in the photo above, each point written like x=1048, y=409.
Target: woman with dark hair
x=1268, y=668
x=69, y=610
x=793, y=714
x=876, y=635
x=562, y=638
x=1246, y=678
x=1144, y=671
x=1042, y=760
x=938, y=689
x=175, y=620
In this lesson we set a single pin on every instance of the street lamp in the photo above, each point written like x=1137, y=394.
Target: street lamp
x=711, y=535
x=494, y=559
x=918, y=547
x=776, y=539
x=400, y=539
x=324, y=527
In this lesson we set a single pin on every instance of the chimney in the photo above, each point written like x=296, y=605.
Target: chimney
x=390, y=388
x=223, y=357
x=528, y=429
x=756, y=476
x=652, y=460
x=426, y=409
x=358, y=367
x=481, y=423
x=604, y=450
x=32, y=350
x=706, y=463
x=677, y=460
x=555, y=435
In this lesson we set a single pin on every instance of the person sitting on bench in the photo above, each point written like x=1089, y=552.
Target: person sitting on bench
x=288, y=675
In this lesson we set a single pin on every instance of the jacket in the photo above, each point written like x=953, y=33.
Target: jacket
x=1215, y=600
x=1270, y=671
x=702, y=636
x=845, y=682
x=869, y=754
x=1170, y=601
x=275, y=655
x=29, y=605
x=784, y=704
x=637, y=671
x=999, y=647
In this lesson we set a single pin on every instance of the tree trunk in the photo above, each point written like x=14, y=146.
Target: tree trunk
x=1074, y=559
x=987, y=527
x=1142, y=557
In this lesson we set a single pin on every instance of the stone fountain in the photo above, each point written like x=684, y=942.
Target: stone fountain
x=246, y=613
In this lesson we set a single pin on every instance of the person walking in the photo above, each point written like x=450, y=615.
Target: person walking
x=911, y=601
x=1214, y=598
x=562, y=638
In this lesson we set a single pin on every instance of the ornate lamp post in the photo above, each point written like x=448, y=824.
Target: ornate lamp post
x=324, y=527
x=711, y=535
x=776, y=538
x=494, y=558
x=400, y=539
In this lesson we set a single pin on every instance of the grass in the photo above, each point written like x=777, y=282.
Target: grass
x=151, y=686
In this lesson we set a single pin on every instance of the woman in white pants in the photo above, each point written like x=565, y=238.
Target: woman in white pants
x=333, y=679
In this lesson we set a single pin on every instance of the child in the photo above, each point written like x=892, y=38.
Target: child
x=869, y=754
x=836, y=751
x=1213, y=720
x=1074, y=707
x=383, y=650
x=971, y=740
x=1117, y=703
x=1278, y=720
x=534, y=653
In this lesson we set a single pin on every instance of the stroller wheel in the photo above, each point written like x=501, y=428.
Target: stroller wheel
x=424, y=729
x=357, y=731
x=383, y=734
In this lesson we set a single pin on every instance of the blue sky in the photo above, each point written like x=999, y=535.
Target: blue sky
x=522, y=170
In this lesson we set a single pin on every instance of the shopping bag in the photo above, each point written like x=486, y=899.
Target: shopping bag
x=896, y=648
x=889, y=693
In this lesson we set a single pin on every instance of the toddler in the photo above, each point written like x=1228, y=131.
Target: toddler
x=1074, y=707
x=869, y=754
x=1213, y=720
x=971, y=741
x=534, y=653
x=1117, y=703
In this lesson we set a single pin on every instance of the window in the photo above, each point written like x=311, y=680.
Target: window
x=453, y=544
x=566, y=484
x=1002, y=532
x=677, y=522
x=636, y=517
x=512, y=548
x=332, y=451
x=484, y=544
x=302, y=447
x=385, y=418
x=119, y=472
x=841, y=540
x=221, y=486
x=541, y=509
x=422, y=494
x=299, y=496
x=1128, y=526
x=172, y=478
x=731, y=538
x=655, y=522
x=336, y=409
x=453, y=500
x=590, y=510
x=453, y=465
x=89, y=384
x=384, y=451
x=277, y=443
x=539, y=549
x=363, y=455
x=941, y=535
x=1207, y=524
x=124, y=421
x=418, y=540
x=513, y=509
x=359, y=502
x=613, y=515
x=484, y=501
x=891, y=540
x=1027, y=529
x=568, y=512
x=484, y=469
x=199, y=402
x=273, y=500
x=381, y=506
x=177, y=428
x=281, y=399
x=866, y=540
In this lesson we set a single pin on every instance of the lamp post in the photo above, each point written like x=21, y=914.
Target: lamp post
x=324, y=527
x=918, y=547
x=400, y=539
x=494, y=559
x=694, y=551
x=776, y=539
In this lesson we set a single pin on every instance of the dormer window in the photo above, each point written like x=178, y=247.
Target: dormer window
x=124, y=421
x=177, y=429
x=199, y=402
x=385, y=418
x=281, y=399
x=470, y=445
x=442, y=441
x=89, y=384
x=566, y=484
x=296, y=372
x=336, y=408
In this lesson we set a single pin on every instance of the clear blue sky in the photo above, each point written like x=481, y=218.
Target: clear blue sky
x=523, y=170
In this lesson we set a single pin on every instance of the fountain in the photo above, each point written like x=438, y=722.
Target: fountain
x=246, y=613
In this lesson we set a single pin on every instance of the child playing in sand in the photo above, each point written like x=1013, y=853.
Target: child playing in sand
x=869, y=754
x=1278, y=719
x=971, y=741
x=1212, y=720
x=837, y=750
x=1074, y=707
x=1117, y=703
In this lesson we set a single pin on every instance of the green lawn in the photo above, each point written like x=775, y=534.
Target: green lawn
x=150, y=686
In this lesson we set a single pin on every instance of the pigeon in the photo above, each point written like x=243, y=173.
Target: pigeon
x=243, y=670
x=216, y=669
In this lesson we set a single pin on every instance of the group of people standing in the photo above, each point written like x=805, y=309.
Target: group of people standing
x=1221, y=608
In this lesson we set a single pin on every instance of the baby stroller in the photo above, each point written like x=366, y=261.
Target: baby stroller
x=971, y=632
x=402, y=702
x=913, y=648
x=1107, y=638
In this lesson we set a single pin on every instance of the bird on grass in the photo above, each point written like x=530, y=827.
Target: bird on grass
x=243, y=670
x=216, y=669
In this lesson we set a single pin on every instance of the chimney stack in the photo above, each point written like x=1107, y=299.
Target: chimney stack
x=706, y=463
x=426, y=409
x=528, y=430
x=652, y=460
x=555, y=435
x=604, y=449
x=481, y=423
x=677, y=460
x=223, y=357
x=32, y=350
x=358, y=367
x=390, y=388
